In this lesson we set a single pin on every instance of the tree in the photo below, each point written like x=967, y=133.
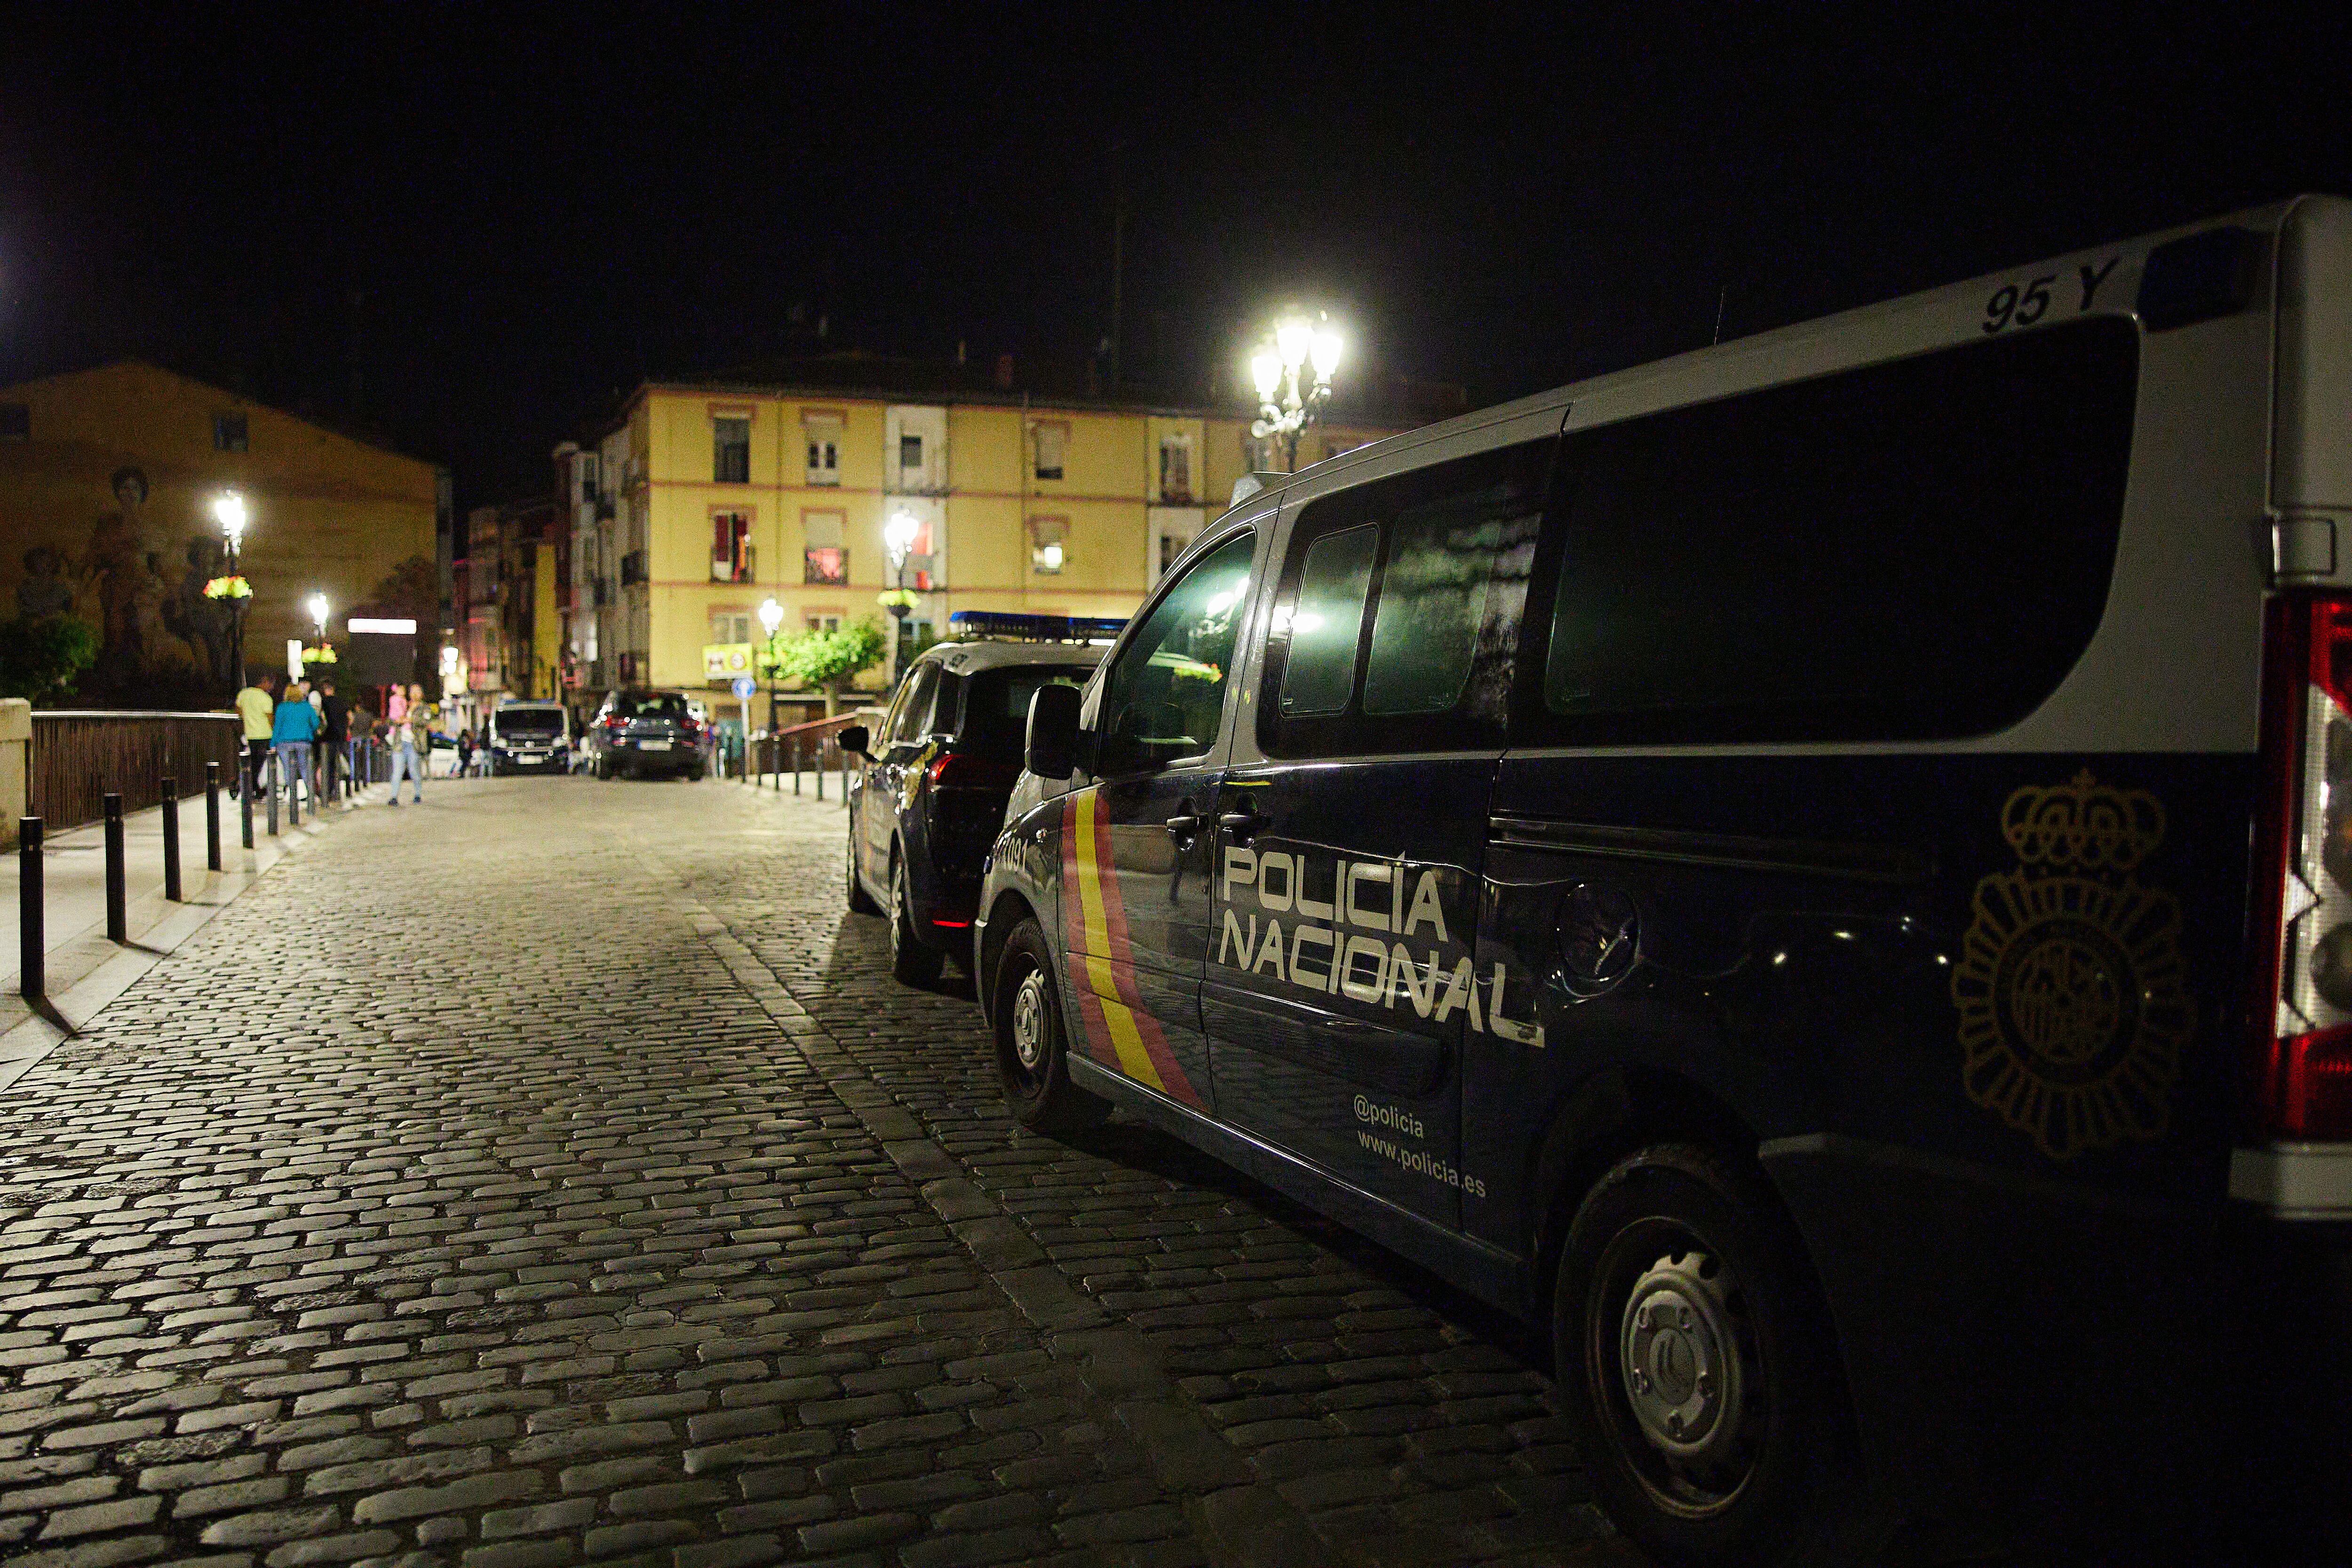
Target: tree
x=40, y=659
x=829, y=661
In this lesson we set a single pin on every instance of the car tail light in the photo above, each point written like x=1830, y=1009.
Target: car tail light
x=2302, y=893
x=962, y=770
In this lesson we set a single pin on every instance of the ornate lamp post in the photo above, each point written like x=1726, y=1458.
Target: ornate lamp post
x=1292, y=377
x=897, y=542
x=771, y=615
x=228, y=511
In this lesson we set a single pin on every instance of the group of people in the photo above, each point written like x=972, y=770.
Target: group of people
x=308, y=729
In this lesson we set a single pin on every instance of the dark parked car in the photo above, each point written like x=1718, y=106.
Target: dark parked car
x=928, y=794
x=638, y=732
x=530, y=737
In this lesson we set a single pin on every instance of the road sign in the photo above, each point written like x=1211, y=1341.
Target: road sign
x=745, y=686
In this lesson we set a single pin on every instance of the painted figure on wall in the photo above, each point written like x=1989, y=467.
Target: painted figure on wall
x=202, y=622
x=115, y=563
x=46, y=593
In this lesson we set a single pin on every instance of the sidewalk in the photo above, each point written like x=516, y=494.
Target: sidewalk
x=85, y=970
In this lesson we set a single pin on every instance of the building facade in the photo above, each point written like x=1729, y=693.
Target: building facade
x=702, y=500
x=107, y=479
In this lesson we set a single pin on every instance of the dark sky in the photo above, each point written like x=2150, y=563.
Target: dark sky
x=467, y=227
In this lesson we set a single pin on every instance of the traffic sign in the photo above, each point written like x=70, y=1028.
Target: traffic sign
x=745, y=686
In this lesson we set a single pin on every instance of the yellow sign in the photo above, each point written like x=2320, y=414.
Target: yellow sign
x=725, y=660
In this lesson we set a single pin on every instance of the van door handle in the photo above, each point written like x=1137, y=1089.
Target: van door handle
x=1183, y=825
x=1242, y=824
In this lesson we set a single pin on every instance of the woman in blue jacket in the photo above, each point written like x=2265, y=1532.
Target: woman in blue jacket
x=291, y=731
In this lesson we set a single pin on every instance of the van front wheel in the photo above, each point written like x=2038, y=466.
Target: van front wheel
x=1696, y=1364
x=1031, y=1052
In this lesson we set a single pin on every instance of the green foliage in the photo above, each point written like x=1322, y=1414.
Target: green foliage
x=40, y=659
x=829, y=661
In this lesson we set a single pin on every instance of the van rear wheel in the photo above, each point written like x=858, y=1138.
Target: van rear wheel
x=1697, y=1362
x=1032, y=1053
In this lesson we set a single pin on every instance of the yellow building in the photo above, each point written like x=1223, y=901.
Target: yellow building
x=107, y=483
x=705, y=499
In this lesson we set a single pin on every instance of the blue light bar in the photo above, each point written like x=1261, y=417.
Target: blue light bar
x=1006, y=626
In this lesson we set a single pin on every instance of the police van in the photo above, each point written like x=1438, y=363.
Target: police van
x=1813, y=869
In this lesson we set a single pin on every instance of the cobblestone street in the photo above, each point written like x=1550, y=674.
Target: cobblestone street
x=555, y=1175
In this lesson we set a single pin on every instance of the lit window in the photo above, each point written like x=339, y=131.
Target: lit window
x=730, y=547
x=1049, y=539
x=824, y=558
x=228, y=433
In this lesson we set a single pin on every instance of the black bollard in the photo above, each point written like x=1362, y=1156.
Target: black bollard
x=294, y=800
x=820, y=770
x=212, y=816
x=118, y=915
x=172, y=841
x=796, y=767
x=273, y=791
x=32, y=941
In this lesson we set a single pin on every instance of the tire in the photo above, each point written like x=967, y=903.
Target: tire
x=911, y=962
x=861, y=902
x=1032, y=1059
x=1681, y=1280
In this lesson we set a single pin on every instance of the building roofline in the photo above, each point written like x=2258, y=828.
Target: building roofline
x=245, y=399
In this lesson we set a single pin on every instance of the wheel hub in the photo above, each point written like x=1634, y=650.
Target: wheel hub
x=1029, y=1022
x=1679, y=1354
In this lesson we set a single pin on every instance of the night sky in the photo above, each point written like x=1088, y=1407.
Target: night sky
x=469, y=229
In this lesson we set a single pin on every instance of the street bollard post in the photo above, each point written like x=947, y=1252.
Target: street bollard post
x=172, y=841
x=820, y=770
x=294, y=800
x=797, y=767
x=32, y=941
x=245, y=807
x=212, y=816
x=273, y=791
x=118, y=914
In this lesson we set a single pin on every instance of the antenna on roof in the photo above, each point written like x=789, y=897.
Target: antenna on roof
x=1721, y=295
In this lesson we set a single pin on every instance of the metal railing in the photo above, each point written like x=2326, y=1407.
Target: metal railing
x=79, y=756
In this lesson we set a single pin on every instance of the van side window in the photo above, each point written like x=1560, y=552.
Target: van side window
x=1327, y=623
x=1436, y=560
x=1907, y=551
x=911, y=722
x=1164, y=699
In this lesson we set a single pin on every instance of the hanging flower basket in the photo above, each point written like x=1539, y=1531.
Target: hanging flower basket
x=228, y=588
x=318, y=656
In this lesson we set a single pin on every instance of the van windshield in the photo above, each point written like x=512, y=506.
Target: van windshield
x=530, y=721
x=996, y=705
x=652, y=705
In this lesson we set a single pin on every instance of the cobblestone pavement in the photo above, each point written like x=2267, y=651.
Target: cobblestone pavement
x=553, y=1175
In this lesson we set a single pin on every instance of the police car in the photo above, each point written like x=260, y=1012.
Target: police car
x=929, y=792
x=1816, y=869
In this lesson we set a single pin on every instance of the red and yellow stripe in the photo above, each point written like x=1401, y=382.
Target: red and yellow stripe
x=1120, y=1034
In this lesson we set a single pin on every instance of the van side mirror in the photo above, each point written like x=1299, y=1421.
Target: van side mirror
x=853, y=739
x=1053, y=746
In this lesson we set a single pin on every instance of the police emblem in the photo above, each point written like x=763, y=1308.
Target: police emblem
x=2074, y=1011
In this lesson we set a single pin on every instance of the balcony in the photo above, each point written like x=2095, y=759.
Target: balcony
x=633, y=568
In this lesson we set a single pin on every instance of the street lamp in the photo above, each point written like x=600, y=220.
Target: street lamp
x=898, y=540
x=317, y=606
x=1293, y=378
x=771, y=615
x=228, y=511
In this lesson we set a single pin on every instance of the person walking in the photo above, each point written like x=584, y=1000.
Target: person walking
x=258, y=709
x=465, y=751
x=412, y=743
x=335, y=739
x=295, y=726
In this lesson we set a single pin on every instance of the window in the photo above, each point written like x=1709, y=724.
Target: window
x=588, y=476
x=1394, y=623
x=1163, y=701
x=824, y=623
x=731, y=450
x=824, y=559
x=1049, y=539
x=996, y=706
x=228, y=433
x=1327, y=623
x=822, y=435
x=731, y=559
x=16, y=421
x=731, y=626
x=910, y=451
x=1176, y=468
x=910, y=720
x=1053, y=440
x=1836, y=559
